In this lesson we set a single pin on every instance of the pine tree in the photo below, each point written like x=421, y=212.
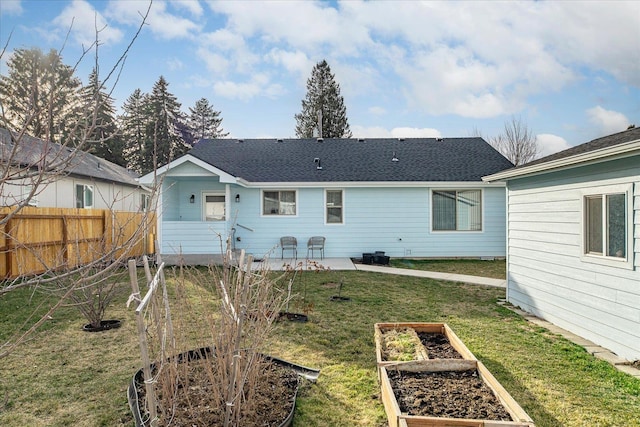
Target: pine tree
x=205, y=122
x=103, y=136
x=166, y=131
x=324, y=104
x=133, y=125
x=40, y=94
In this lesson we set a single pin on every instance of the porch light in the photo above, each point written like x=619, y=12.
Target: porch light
x=192, y=199
x=237, y=198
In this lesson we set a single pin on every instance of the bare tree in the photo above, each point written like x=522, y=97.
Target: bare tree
x=517, y=142
x=30, y=167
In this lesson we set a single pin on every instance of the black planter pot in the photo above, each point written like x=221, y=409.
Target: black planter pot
x=338, y=298
x=105, y=325
x=293, y=317
x=138, y=382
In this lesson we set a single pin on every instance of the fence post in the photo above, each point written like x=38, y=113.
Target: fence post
x=144, y=349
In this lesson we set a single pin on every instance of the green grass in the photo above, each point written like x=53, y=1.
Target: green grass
x=495, y=269
x=64, y=376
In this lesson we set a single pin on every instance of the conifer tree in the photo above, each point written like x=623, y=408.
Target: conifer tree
x=102, y=133
x=39, y=94
x=205, y=122
x=133, y=125
x=322, y=104
x=166, y=130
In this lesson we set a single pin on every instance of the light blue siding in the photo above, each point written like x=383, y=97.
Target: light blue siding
x=547, y=272
x=394, y=220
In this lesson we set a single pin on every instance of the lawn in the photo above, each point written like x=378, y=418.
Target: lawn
x=64, y=376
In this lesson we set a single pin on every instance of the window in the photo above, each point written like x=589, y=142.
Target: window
x=214, y=207
x=457, y=210
x=334, y=206
x=606, y=225
x=279, y=202
x=144, y=202
x=84, y=196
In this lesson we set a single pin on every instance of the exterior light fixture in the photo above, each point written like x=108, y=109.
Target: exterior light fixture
x=192, y=199
x=237, y=198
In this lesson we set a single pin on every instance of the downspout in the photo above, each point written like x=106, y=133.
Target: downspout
x=506, y=189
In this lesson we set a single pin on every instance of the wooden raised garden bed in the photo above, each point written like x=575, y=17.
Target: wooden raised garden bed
x=438, y=382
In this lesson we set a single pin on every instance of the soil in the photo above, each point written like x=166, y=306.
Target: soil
x=449, y=394
x=438, y=346
x=271, y=404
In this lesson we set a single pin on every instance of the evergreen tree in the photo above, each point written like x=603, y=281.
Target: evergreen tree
x=205, y=122
x=166, y=136
x=133, y=125
x=40, y=94
x=324, y=104
x=102, y=133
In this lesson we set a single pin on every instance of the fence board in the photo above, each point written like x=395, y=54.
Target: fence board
x=36, y=240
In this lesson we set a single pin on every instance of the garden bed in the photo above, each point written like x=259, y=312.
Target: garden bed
x=408, y=342
x=437, y=393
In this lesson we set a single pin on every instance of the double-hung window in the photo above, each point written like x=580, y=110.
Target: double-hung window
x=279, y=202
x=84, y=196
x=456, y=210
x=214, y=207
x=606, y=224
x=334, y=207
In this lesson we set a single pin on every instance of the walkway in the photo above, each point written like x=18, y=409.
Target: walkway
x=347, y=264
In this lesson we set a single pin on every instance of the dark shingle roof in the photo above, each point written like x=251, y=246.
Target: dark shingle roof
x=628, y=135
x=352, y=160
x=30, y=151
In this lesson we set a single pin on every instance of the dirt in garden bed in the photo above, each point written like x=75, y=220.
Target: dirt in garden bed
x=271, y=404
x=438, y=346
x=449, y=394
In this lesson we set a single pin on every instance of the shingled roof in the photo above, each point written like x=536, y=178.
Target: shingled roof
x=30, y=150
x=632, y=134
x=352, y=160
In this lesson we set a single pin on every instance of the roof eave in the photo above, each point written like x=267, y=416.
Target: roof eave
x=151, y=177
x=596, y=156
x=376, y=184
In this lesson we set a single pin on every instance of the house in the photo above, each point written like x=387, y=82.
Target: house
x=573, y=233
x=420, y=197
x=70, y=180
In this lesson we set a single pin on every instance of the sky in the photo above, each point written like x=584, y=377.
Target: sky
x=570, y=70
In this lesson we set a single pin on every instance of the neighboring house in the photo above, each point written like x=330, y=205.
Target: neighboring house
x=573, y=233
x=408, y=197
x=80, y=181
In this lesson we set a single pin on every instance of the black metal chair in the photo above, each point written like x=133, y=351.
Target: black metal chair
x=289, y=243
x=316, y=243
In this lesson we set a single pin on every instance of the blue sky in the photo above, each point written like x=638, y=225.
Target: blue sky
x=569, y=69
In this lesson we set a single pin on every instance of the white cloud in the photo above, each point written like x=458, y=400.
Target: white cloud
x=259, y=85
x=11, y=7
x=175, y=64
x=608, y=121
x=377, y=111
x=550, y=144
x=84, y=21
x=399, y=132
x=193, y=6
x=162, y=23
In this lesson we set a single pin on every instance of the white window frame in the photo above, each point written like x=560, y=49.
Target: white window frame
x=433, y=230
x=279, y=215
x=326, y=207
x=601, y=258
x=204, y=205
x=85, y=187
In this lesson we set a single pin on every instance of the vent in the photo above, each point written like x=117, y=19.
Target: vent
x=318, y=164
x=439, y=139
x=394, y=158
x=400, y=139
x=240, y=141
x=360, y=139
x=279, y=140
x=320, y=139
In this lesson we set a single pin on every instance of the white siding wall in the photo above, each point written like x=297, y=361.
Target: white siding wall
x=61, y=193
x=394, y=220
x=546, y=273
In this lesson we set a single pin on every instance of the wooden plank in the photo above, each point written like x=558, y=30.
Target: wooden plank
x=389, y=401
x=433, y=365
x=515, y=410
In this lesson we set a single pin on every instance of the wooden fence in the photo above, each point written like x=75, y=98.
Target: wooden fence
x=36, y=240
